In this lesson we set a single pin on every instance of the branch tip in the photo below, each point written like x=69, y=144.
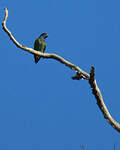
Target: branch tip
x=92, y=76
x=92, y=72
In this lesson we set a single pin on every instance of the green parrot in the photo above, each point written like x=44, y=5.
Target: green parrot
x=40, y=45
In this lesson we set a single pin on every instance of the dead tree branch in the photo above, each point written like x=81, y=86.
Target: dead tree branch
x=80, y=74
x=96, y=92
x=82, y=147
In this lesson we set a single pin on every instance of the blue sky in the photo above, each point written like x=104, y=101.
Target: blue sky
x=41, y=108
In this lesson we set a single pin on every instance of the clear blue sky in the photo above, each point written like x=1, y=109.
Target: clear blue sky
x=41, y=108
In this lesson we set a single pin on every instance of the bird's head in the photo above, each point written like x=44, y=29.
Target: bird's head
x=44, y=35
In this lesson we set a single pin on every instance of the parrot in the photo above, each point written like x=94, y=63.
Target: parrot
x=40, y=45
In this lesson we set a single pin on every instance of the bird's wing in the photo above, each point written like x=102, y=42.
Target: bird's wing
x=44, y=47
x=37, y=44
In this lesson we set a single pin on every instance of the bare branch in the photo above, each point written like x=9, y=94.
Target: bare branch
x=114, y=147
x=96, y=92
x=44, y=55
x=82, y=147
x=80, y=74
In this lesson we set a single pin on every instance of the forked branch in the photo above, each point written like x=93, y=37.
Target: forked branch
x=80, y=74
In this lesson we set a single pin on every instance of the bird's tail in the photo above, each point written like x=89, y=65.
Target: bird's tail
x=37, y=58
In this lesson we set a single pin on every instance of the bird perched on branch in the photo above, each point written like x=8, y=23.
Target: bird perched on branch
x=40, y=45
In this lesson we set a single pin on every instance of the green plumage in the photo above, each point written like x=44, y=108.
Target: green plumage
x=40, y=45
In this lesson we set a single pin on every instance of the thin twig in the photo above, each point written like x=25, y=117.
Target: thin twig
x=80, y=74
x=82, y=147
x=114, y=147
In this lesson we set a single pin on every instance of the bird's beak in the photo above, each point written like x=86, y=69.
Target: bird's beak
x=46, y=35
